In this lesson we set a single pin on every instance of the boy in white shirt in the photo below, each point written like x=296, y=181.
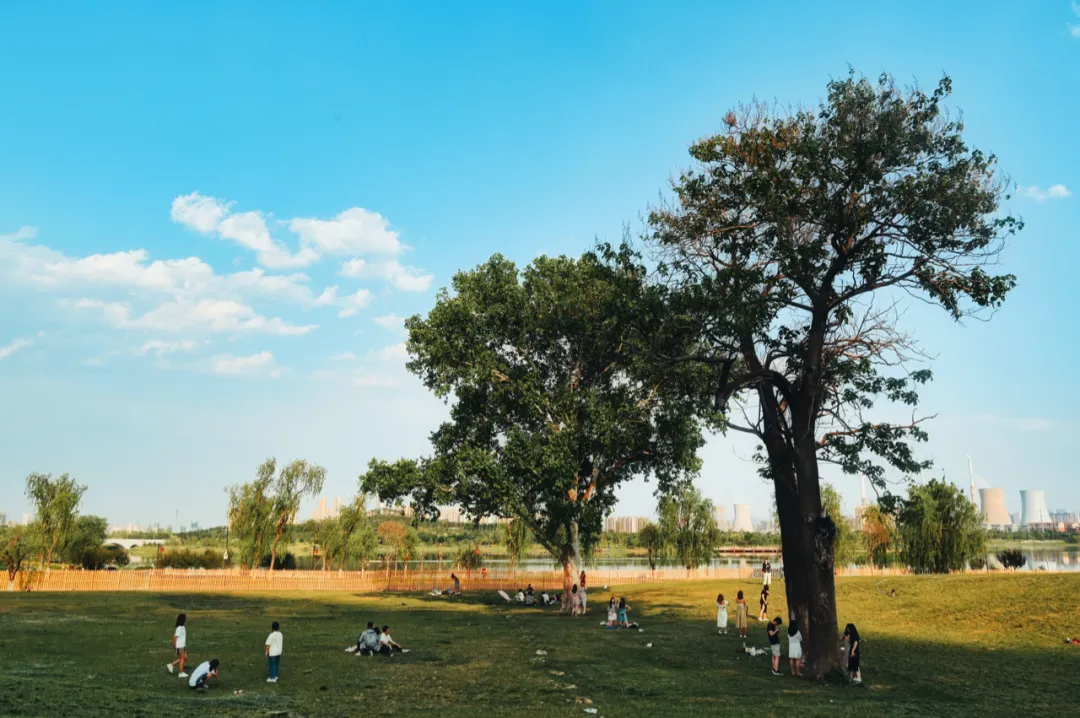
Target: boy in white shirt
x=274, y=643
x=200, y=677
x=387, y=644
x=179, y=640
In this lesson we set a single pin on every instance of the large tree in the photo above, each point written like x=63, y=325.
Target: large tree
x=250, y=510
x=294, y=481
x=551, y=408
x=940, y=529
x=56, y=508
x=791, y=243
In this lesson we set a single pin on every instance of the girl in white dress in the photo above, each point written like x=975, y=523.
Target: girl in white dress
x=721, y=614
x=794, y=651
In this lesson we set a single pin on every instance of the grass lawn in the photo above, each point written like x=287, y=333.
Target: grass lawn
x=945, y=646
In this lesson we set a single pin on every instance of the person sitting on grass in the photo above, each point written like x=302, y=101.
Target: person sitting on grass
x=530, y=599
x=367, y=643
x=774, y=644
x=794, y=651
x=612, y=614
x=851, y=635
x=179, y=640
x=387, y=645
x=520, y=597
x=624, y=611
x=200, y=677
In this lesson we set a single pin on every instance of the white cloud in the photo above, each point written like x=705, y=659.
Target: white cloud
x=407, y=279
x=182, y=315
x=199, y=212
x=254, y=364
x=349, y=305
x=391, y=321
x=354, y=232
x=371, y=381
x=344, y=356
x=1074, y=30
x=1018, y=423
x=22, y=233
x=161, y=347
x=20, y=343
x=1058, y=191
x=249, y=229
x=393, y=353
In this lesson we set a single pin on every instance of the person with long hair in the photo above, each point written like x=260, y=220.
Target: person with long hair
x=764, y=601
x=179, y=641
x=854, y=652
x=742, y=613
x=721, y=614
x=794, y=651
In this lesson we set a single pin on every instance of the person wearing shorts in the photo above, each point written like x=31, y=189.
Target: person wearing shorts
x=774, y=644
x=200, y=677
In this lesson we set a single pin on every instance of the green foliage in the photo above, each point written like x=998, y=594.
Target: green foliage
x=56, y=506
x=189, y=559
x=977, y=564
x=17, y=545
x=1012, y=558
x=469, y=558
x=86, y=536
x=261, y=511
x=399, y=541
x=940, y=528
x=846, y=544
x=878, y=535
x=281, y=562
x=95, y=558
x=552, y=411
x=517, y=538
x=652, y=540
x=349, y=536
x=687, y=527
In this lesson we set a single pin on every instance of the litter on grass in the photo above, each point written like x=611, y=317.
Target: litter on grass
x=541, y=653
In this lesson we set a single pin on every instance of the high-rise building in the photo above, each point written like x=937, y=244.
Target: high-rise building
x=625, y=524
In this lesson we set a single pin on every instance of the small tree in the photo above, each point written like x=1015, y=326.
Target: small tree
x=17, y=545
x=469, y=558
x=878, y=534
x=517, y=537
x=56, y=503
x=1012, y=558
x=250, y=509
x=688, y=527
x=86, y=537
x=650, y=539
x=940, y=528
x=295, y=481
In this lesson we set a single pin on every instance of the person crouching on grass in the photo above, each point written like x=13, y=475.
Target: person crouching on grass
x=179, y=640
x=274, y=644
x=200, y=677
x=774, y=644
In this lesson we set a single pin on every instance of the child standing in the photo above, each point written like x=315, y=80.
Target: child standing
x=721, y=614
x=179, y=640
x=624, y=610
x=575, y=601
x=274, y=643
x=794, y=651
x=851, y=635
x=774, y=644
x=742, y=613
x=764, y=603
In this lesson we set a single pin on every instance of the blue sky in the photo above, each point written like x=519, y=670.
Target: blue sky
x=213, y=215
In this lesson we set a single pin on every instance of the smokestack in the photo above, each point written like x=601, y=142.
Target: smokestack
x=742, y=518
x=971, y=477
x=862, y=489
x=993, y=507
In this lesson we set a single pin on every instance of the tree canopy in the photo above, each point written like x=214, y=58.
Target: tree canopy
x=940, y=529
x=56, y=508
x=791, y=244
x=551, y=408
x=687, y=527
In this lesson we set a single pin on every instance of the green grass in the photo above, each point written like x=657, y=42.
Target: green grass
x=953, y=645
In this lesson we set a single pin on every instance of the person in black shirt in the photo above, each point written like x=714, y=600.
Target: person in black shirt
x=764, y=601
x=851, y=635
x=774, y=644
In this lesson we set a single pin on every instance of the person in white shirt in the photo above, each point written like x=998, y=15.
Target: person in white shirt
x=274, y=644
x=179, y=641
x=200, y=677
x=794, y=651
x=386, y=643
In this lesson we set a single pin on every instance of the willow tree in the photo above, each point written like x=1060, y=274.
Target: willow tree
x=56, y=510
x=792, y=241
x=551, y=410
x=688, y=527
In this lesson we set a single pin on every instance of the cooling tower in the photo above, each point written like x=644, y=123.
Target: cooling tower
x=1034, y=509
x=742, y=520
x=993, y=507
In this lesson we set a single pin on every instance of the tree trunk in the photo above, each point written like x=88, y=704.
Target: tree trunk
x=787, y=511
x=273, y=557
x=816, y=538
x=570, y=557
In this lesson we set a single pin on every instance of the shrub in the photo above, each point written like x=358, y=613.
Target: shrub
x=99, y=557
x=978, y=563
x=281, y=563
x=1012, y=558
x=188, y=559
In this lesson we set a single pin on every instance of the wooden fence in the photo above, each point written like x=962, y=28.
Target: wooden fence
x=235, y=580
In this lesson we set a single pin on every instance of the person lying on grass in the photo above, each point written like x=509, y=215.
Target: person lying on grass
x=200, y=677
